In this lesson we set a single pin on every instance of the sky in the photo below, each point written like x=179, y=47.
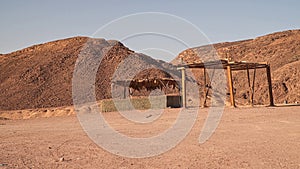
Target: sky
x=25, y=23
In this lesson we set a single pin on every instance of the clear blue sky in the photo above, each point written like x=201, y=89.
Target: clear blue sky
x=25, y=23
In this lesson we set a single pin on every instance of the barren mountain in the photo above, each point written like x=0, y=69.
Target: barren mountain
x=281, y=50
x=41, y=75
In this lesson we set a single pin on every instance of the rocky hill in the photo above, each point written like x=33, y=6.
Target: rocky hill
x=41, y=75
x=281, y=50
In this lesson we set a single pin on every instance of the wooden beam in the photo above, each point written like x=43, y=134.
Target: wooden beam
x=230, y=84
x=245, y=68
x=270, y=86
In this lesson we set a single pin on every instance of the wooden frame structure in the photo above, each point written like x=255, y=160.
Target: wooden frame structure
x=231, y=66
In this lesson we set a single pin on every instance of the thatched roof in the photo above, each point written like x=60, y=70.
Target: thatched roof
x=150, y=79
x=149, y=84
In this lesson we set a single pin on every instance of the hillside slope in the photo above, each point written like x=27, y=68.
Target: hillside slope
x=41, y=75
x=281, y=50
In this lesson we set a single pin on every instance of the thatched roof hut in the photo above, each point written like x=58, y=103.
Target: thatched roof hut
x=150, y=79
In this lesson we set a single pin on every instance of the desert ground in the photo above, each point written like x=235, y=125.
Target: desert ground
x=259, y=137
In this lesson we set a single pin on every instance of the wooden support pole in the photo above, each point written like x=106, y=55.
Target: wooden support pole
x=129, y=94
x=166, y=86
x=124, y=91
x=230, y=84
x=204, y=88
x=250, y=88
x=183, y=89
x=270, y=85
x=253, y=85
x=208, y=85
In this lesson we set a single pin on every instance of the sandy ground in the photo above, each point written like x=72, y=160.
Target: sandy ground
x=264, y=137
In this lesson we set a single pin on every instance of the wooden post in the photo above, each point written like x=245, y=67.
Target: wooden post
x=183, y=89
x=270, y=85
x=165, y=86
x=230, y=84
x=129, y=93
x=208, y=85
x=204, y=87
x=253, y=83
x=124, y=91
x=250, y=88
